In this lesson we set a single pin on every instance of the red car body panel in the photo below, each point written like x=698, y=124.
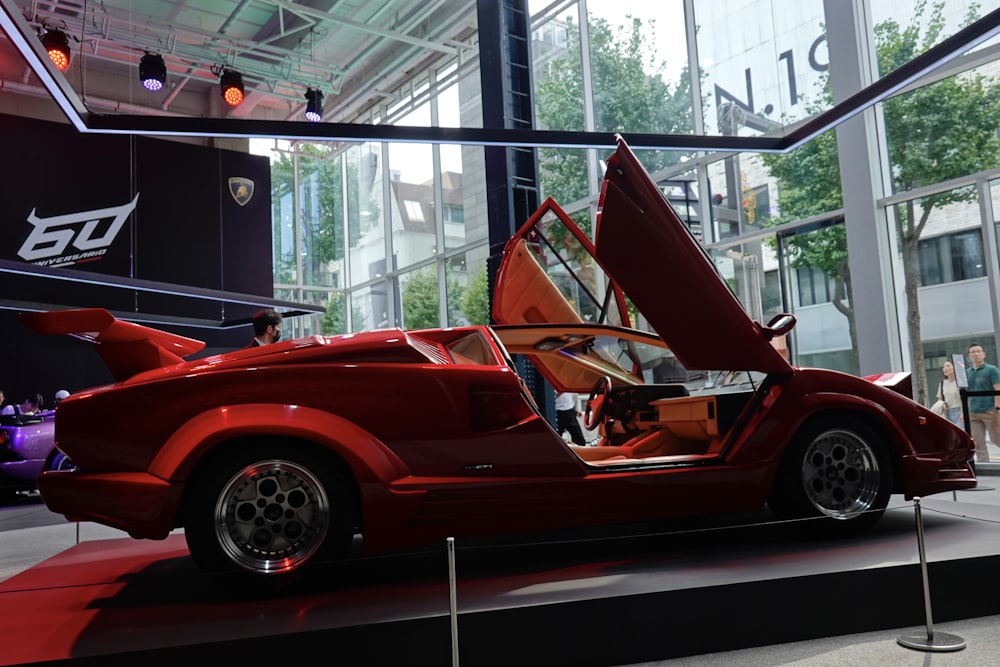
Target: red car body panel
x=438, y=433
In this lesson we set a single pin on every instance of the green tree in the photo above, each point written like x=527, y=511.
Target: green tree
x=420, y=299
x=476, y=300
x=630, y=95
x=320, y=201
x=934, y=133
x=333, y=321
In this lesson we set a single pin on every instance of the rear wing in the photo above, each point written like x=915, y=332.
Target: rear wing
x=899, y=382
x=126, y=348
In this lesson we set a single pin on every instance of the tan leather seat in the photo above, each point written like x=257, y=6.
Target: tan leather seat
x=601, y=453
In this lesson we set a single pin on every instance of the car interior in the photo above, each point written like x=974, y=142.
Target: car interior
x=659, y=423
x=647, y=408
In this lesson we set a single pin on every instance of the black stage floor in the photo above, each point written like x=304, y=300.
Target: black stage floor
x=654, y=593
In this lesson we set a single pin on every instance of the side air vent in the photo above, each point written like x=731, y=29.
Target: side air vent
x=432, y=351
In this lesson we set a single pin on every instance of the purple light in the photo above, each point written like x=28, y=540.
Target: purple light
x=152, y=71
x=314, y=105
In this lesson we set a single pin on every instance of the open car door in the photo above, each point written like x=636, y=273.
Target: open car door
x=651, y=253
x=549, y=275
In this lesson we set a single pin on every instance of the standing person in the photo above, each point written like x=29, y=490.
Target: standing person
x=567, y=417
x=948, y=392
x=984, y=411
x=266, y=327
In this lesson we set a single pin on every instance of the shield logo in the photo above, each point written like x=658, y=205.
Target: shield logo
x=241, y=189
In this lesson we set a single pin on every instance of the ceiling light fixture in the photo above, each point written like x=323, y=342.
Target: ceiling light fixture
x=57, y=46
x=152, y=71
x=314, y=105
x=231, y=84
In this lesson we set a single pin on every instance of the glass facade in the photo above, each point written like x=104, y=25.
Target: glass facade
x=398, y=234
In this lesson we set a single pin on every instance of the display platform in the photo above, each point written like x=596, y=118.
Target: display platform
x=583, y=599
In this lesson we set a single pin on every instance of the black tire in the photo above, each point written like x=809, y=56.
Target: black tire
x=59, y=461
x=836, y=472
x=266, y=515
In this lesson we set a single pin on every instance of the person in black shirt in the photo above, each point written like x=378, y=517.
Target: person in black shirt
x=266, y=327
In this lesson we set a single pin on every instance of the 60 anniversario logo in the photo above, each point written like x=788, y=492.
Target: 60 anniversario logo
x=89, y=232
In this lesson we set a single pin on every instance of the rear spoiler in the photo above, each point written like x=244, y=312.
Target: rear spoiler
x=901, y=383
x=126, y=348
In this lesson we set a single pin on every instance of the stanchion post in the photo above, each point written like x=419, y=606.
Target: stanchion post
x=941, y=641
x=453, y=601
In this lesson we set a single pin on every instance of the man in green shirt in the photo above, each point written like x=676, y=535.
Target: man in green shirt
x=984, y=411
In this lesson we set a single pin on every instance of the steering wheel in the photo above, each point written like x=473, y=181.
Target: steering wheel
x=594, y=412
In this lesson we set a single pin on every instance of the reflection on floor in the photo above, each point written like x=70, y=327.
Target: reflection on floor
x=654, y=593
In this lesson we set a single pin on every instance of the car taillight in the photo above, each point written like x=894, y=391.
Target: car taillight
x=3, y=438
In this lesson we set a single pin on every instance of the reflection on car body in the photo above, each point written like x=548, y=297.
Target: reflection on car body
x=274, y=458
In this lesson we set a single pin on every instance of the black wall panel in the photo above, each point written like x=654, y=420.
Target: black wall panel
x=132, y=207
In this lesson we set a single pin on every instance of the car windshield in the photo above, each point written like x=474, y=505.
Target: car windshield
x=557, y=250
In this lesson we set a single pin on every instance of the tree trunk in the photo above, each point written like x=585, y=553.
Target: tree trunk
x=909, y=239
x=912, y=283
x=842, y=283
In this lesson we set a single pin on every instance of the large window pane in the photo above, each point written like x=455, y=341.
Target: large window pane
x=366, y=232
x=938, y=20
x=945, y=291
x=333, y=320
x=761, y=63
x=817, y=287
x=419, y=296
x=414, y=210
x=463, y=195
x=322, y=224
x=467, y=288
x=283, y=219
x=370, y=307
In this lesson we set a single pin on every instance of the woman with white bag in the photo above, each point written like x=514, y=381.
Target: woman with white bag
x=949, y=401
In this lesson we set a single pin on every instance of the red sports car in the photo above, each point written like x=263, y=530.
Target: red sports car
x=275, y=457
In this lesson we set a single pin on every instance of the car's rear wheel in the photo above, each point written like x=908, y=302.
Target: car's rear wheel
x=265, y=514
x=836, y=469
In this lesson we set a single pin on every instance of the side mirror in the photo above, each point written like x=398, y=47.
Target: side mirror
x=779, y=325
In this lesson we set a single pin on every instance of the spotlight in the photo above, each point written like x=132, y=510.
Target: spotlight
x=232, y=87
x=57, y=45
x=152, y=71
x=314, y=105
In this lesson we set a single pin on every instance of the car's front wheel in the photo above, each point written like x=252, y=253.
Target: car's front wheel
x=265, y=515
x=59, y=461
x=837, y=468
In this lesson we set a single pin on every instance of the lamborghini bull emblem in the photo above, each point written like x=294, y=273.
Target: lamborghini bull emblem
x=241, y=189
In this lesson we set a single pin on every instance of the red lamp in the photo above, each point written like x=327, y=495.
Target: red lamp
x=57, y=46
x=231, y=84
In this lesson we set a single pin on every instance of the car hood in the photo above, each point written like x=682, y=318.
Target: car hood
x=643, y=254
